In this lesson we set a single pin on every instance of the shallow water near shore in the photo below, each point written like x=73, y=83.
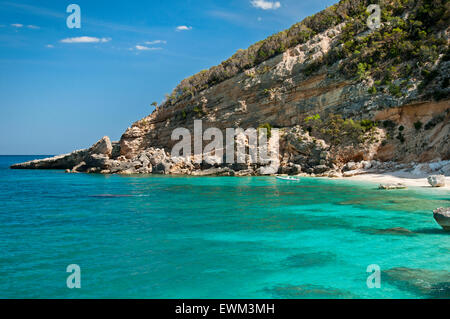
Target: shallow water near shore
x=216, y=237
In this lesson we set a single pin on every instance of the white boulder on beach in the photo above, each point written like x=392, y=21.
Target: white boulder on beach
x=436, y=180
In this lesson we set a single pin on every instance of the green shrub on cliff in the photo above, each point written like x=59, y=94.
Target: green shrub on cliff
x=367, y=125
x=268, y=129
x=336, y=130
x=397, y=40
x=372, y=90
x=315, y=117
x=401, y=137
x=418, y=125
x=395, y=90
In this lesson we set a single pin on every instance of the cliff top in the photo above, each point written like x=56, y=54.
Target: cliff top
x=411, y=30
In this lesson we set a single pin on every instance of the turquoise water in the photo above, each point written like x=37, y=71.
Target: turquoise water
x=208, y=237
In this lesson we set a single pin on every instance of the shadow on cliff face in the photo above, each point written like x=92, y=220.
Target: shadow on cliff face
x=431, y=283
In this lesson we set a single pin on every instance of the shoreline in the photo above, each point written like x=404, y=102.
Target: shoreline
x=408, y=179
x=407, y=176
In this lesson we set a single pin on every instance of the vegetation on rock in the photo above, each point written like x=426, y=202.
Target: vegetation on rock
x=406, y=44
x=335, y=130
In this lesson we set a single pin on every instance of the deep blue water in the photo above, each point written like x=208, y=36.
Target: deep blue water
x=208, y=237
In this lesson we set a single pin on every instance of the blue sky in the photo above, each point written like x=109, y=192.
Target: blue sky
x=63, y=89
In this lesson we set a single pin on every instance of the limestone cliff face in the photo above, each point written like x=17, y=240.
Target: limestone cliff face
x=280, y=92
x=275, y=92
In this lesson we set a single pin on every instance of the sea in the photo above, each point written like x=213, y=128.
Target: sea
x=216, y=237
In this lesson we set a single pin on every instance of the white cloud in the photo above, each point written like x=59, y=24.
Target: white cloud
x=144, y=48
x=85, y=40
x=30, y=26
x=183, y=28
x=50, y=46
x=156, y=42
x=266, y=5
x=17, y=25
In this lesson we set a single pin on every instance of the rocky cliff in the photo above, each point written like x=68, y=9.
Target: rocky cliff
x=338, y=91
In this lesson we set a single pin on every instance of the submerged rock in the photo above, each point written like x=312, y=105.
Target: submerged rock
x=392, y=186
x=310, y=259
x=436, y=180
x=432, y=283
x=391, y=231
x=110, y=196
x=307, y=291
x=442, y=217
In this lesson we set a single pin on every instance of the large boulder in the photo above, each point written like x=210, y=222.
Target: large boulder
x=320, y=169
x=436, y=180
x=442, y=217
x=215, y=171
x=303, y=147
x=267, y=170
x=100, y=161
x=353, y=173
x=162, y=168
x=104, y=147
x=156, y=156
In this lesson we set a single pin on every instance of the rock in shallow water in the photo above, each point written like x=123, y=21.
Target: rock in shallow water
x=308, y=291
x=432, y=283
x=310, y=259
x=390, y=231
x=392, y=186
x=442, y=217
